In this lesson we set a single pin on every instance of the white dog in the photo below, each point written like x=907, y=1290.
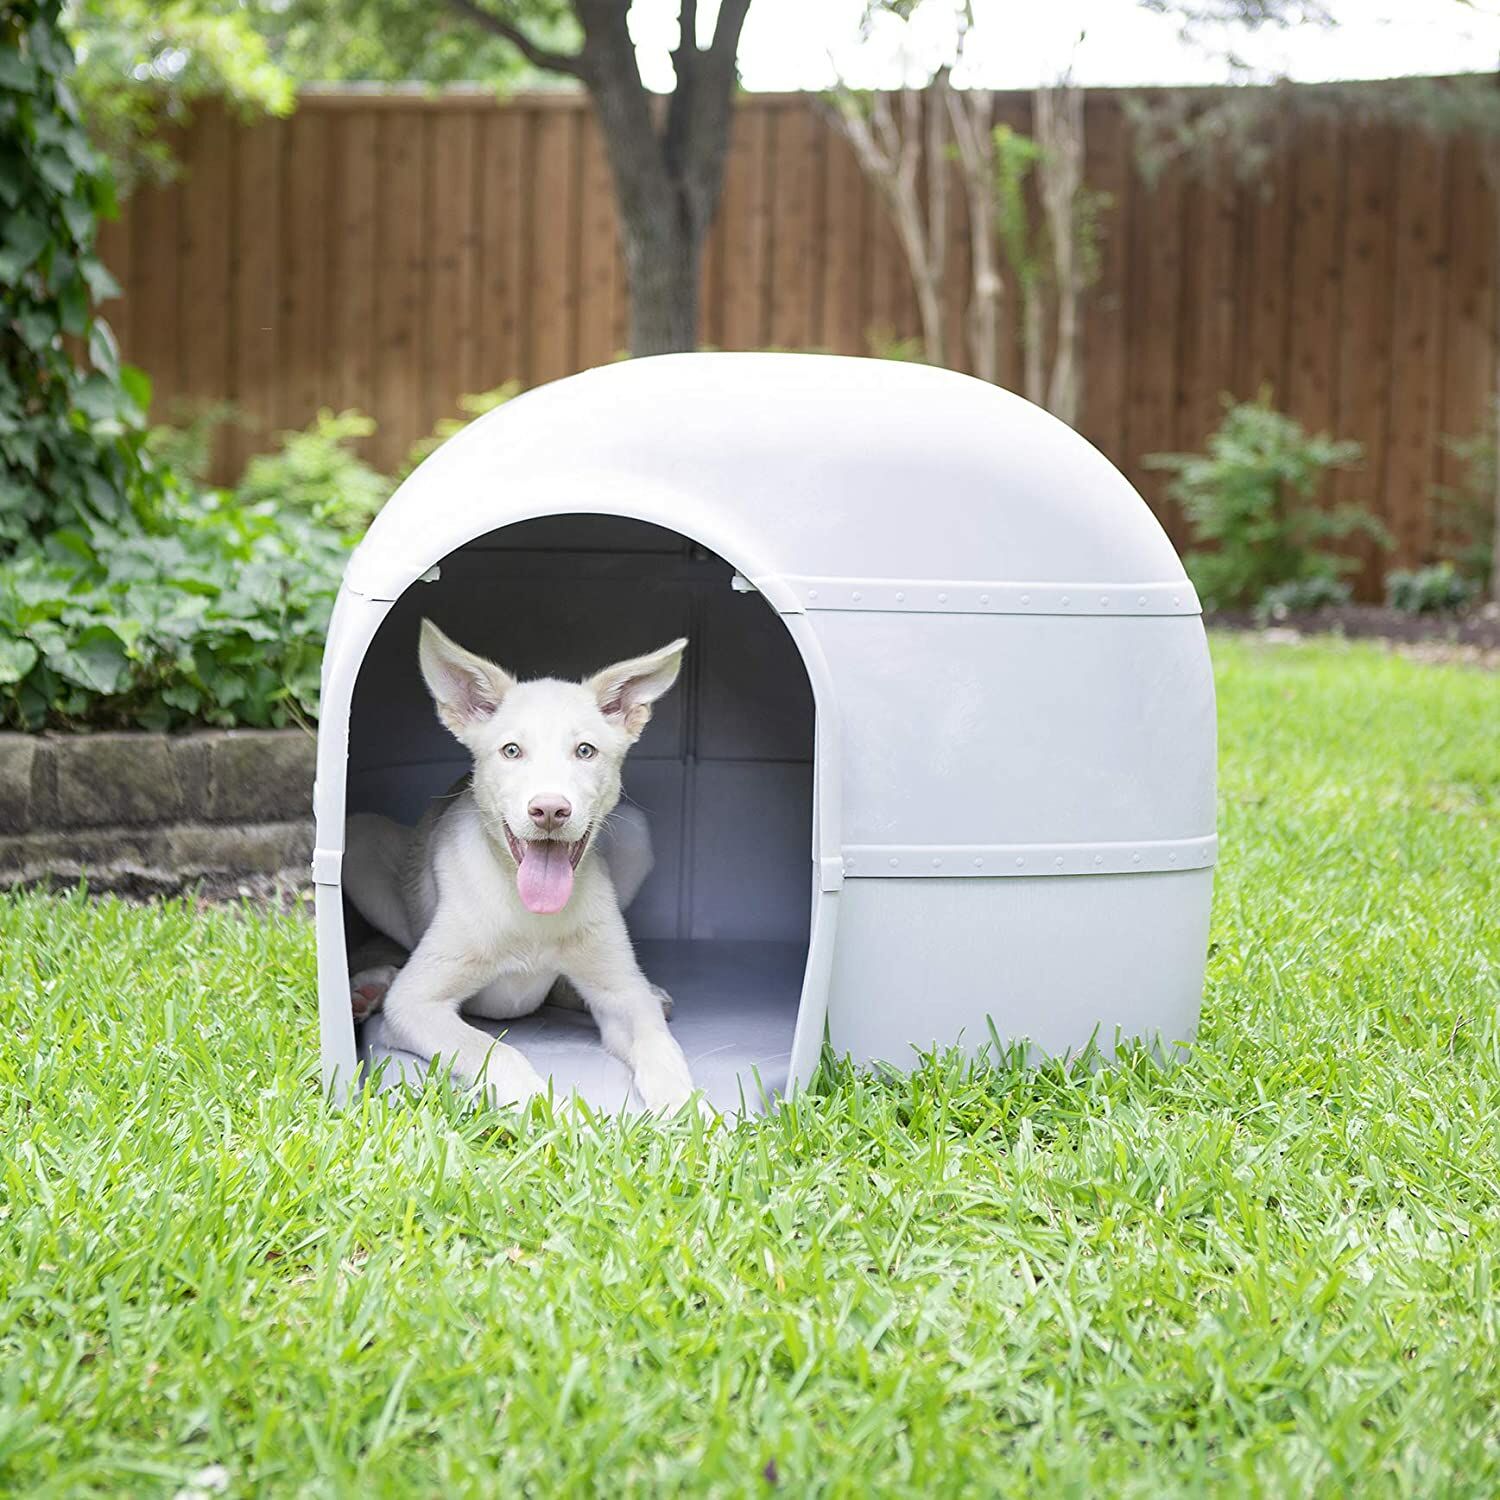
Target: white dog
x=518, y=880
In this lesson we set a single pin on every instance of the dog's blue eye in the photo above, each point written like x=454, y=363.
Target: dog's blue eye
x=512, y=751
x=585, y=751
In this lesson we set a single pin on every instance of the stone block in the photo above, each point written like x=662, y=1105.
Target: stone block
x=114, y=780
x=261, y=775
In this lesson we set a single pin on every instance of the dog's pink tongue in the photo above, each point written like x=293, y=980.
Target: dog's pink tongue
x=545, y=879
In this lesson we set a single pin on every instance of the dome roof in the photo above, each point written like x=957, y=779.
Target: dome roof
x=788, y=465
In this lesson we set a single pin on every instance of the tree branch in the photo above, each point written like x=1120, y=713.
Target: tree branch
x=540, y=57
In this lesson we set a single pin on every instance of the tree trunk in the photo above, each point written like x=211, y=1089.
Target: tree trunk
x=668, y=180
x=970, y=113
x=1032, y=336
x=889, y=148
x=1059, y=129
x=662, y=255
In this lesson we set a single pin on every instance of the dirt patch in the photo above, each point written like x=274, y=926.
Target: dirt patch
x=1374, y=622
x=142, y=887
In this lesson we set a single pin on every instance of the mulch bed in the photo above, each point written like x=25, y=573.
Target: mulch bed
x=1471, y=638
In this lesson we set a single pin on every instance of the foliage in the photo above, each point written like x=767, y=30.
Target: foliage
x=1268, y=1270
x=1320, y=591
x=71, y=437
x=184, y=446
x=1253, y=495
x=1468, y=509
x=883, y=343
x=1431, y=590
x=316, y=473
x=1016, y=156
x=144, y=65
x=215, y=613
x=472, y=406
x=125, y=597
x=390, y=41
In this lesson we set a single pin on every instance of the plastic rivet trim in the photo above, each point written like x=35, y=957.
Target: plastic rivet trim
x=1093, y=861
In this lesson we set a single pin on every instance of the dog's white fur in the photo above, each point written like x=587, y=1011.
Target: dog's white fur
x=447, y=890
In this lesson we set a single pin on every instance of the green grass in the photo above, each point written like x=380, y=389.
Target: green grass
x=1272, y=1270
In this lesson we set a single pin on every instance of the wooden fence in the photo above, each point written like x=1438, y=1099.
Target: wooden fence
x=391, y=252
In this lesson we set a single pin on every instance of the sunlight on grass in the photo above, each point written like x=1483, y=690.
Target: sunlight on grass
x=1270, y=1270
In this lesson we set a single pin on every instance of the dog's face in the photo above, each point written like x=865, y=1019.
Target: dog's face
x=547, y=754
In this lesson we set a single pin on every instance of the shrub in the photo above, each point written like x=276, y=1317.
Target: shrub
x=71, y=436
x=1253, y=495
x=1318, y=591
x=1469, y=509
x=1430, y=590
x=317, y=474
x=126, y=596
x=216, y=615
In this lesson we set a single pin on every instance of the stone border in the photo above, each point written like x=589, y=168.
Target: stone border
x=156, y=811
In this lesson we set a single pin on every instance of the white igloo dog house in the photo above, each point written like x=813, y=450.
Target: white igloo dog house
x=940, y=767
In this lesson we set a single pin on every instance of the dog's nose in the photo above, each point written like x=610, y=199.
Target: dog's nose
x=550, y=812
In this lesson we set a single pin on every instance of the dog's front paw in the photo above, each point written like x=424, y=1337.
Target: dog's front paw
x=511, y=1087
x=664, y=1089
x=367, y=989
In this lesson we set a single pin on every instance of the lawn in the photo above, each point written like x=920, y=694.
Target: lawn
x=1271, y=1270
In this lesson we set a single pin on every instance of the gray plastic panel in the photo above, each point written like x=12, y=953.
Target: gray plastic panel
x=747, y=818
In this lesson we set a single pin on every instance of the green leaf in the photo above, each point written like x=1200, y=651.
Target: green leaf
x=24, y=238
x=102, y=286
x=95, y=660
x=73, y=307
x=136, y=384
x=17, y=72
x=17, y=658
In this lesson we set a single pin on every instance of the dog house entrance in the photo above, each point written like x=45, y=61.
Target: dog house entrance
x=723, y=773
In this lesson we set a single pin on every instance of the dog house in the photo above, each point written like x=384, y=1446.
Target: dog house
x=940, y=767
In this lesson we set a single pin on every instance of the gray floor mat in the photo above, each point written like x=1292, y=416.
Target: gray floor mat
x=735, y=1005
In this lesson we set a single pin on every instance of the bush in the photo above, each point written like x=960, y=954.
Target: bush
x=1468, y=509
x=315, y=473
x=1316, y=592
x=1253, y=494
x=216, y=615
x=1430, y=590
x=71, y=436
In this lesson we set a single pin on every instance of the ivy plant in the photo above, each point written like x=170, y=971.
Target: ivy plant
x=71, y=431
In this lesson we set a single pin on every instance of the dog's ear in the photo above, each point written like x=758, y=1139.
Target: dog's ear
x=466, y=688
x=627, y=690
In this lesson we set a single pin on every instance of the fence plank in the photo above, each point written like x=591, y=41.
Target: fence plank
x=451, y=361
x=204, y=252
x=1108, y=171
x=399, y=287
x=1266, y=272
x=554, y=301
x=1469, y=352
x=1417, y=347
x=745, y=228
x=1156, y=226
x=1365, y=348
x=599, y=252
x=505, y=206
x=793, y=228
x=1317, y=284
x=256, y=269
x=354, y=251
x=301, y=385
x=155, y=220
